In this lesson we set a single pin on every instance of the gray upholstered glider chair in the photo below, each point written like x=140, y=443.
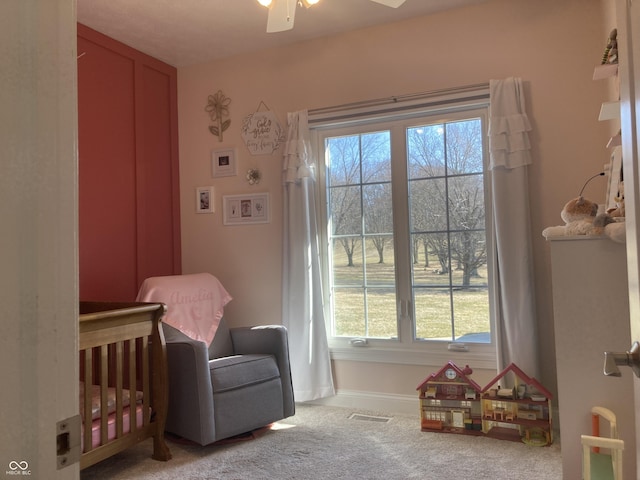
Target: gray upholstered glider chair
x=222, y=381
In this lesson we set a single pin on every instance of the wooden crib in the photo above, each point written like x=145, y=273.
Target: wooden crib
x=123, y=366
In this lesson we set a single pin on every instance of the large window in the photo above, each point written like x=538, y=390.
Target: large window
x=408, y=242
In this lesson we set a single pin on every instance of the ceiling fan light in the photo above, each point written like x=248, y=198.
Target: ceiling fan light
x=265, y=3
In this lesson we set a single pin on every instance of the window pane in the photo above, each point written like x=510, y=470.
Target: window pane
x=348, y=312
x=471, y=310
x=469, y=259
x=433, y=313
x=428, y=205
x=433, y=263
x=447, y=203
x=347, y=261
x=425, y=150
x=378, y=211
x=380, y=269
x=466, y=203
x=376, y=157
x=346, y=210
x=343, y=160
x=363, y=241
x=464, y=147
x=381, y=312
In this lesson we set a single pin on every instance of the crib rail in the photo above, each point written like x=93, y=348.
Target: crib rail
x=122, y=351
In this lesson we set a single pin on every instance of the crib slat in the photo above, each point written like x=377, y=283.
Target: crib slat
x=133, y=382
x=87, y=397
x=146, y=414
x=104, y=385
x=119, y=400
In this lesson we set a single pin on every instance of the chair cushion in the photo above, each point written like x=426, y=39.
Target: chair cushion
x=239, y=371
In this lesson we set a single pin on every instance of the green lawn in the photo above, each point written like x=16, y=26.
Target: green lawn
x=432, y=305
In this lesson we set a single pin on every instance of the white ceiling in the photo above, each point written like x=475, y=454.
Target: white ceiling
x=186, y=32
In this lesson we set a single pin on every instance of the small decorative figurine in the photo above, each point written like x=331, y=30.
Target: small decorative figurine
x=253, y=176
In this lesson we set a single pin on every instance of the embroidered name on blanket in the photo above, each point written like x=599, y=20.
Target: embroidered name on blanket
x=195, y=302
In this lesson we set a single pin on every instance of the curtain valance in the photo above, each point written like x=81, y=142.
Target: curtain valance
x=509, y=125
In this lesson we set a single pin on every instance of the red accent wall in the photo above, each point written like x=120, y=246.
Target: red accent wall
x=128, y=168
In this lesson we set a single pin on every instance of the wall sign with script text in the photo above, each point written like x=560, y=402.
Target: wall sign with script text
x=262, y=133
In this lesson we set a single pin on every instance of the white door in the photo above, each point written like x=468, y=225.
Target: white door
x=38, y=230
x=628, y=24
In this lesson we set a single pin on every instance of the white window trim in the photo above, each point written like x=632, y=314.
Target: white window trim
x=416, y=352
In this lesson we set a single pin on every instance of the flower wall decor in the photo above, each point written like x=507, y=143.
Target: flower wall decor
x=218, y=108
x=253, y=176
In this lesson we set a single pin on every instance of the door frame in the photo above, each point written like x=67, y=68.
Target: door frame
x=38, y=208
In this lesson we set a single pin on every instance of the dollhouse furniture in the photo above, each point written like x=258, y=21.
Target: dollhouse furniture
x=598, y=464
x=123, y=379
x=222, y=381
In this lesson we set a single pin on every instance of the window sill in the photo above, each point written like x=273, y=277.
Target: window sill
x=475, y=359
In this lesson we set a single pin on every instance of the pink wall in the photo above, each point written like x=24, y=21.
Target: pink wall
x=552, y=45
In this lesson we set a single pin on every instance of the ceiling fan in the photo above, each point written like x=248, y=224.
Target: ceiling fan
x=282, y=12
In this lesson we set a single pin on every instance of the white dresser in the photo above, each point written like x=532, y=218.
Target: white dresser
x=591, y=316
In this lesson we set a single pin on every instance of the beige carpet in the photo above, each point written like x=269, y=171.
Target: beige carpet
x=322, y=442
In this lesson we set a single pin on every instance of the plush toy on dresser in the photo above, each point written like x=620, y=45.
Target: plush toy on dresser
x=581, y=217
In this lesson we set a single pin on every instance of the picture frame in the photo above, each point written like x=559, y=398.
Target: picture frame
x=204, y=200
x=223, y=163
x=250, y=208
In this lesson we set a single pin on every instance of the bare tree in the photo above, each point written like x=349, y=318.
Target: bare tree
x=447, y=196
x=344, y=158
x=360, y=176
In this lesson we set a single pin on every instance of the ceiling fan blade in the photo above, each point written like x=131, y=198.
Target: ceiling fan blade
x=281, y=14
x=390, y=3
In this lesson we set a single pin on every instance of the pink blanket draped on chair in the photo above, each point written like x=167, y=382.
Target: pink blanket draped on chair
x=196, y=302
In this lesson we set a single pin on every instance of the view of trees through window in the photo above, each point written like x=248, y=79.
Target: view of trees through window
x=443, y=173
x=447, y=205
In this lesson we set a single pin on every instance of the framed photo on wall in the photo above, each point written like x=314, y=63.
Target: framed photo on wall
x=223, y=163
x=245, y=209
x=204, y=200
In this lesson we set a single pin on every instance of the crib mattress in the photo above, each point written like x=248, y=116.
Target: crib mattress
x=111, y=426
x=111, y=411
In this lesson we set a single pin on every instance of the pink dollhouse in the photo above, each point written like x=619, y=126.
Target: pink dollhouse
x=452, y=402
x=519, y=413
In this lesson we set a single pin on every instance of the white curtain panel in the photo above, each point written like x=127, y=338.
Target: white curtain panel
x=302, y=303
x=510, y=154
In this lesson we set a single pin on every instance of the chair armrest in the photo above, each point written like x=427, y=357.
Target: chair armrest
x=269, y=340
x=190, y=392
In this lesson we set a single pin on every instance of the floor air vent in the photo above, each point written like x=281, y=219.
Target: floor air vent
x=369, y=418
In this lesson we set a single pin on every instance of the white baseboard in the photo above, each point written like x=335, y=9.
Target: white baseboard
x=377, y=402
